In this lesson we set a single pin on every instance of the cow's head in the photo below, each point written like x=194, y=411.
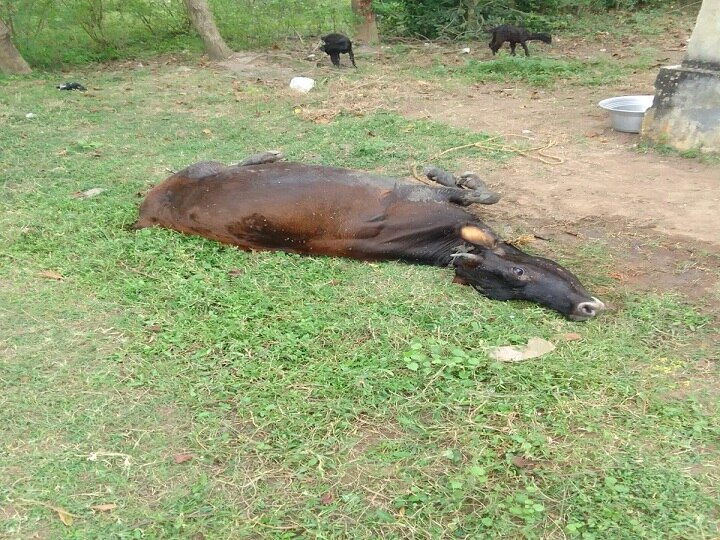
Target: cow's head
x=503, y=272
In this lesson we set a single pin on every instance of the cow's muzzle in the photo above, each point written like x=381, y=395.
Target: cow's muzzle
x=587, y=310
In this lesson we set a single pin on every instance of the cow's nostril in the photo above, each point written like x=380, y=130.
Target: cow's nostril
x=587, y=310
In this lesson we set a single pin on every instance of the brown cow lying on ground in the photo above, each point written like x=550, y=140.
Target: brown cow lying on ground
x=316, y=210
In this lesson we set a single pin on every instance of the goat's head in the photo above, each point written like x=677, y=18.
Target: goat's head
x=318, y=46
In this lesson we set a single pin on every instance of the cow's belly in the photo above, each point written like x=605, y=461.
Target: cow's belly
x=272, y=215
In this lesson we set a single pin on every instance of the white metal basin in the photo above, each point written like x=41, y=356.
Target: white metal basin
x=627, y=112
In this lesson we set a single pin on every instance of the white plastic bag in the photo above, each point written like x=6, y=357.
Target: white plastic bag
x=302, y=84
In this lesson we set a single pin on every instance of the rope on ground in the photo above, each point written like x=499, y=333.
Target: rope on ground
x=493, y=145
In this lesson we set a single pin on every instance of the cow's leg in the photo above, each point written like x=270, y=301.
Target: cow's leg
x=201, y=169
x=440, y=176
x=470, y=180
x=270, y=156
x=476, y=191
x=466, y=197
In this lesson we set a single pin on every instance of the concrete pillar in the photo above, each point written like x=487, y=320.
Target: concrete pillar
x=704, y=46
x=686, y=110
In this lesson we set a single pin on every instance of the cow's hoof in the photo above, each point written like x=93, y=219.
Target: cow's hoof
x=483, y=197
x=270, y=156
x=440, y=176
x=470, y=180
x=202, y=169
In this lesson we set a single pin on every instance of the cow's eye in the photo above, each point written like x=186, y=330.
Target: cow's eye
x=518, y=271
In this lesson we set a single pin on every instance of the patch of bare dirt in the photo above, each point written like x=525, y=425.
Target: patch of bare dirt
x=258, y=65
x=600, y=172
x=593, y=171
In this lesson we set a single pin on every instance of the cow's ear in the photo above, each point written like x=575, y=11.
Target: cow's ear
x=477, y=236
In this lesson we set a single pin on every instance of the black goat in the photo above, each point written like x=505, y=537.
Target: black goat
x=515, y=35
x=334, y=45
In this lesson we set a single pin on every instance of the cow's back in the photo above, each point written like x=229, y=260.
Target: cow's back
x=309, y=209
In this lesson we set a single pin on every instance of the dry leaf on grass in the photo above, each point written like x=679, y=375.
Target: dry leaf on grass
x=182, y=458
x=327, y=498
x=237, y=90
x=572, y=336
x=64, y=516
x=522, y=240
x=88, y=193
x=522, y=462
x=50, y=274
x=104, y=507
x=510, y=353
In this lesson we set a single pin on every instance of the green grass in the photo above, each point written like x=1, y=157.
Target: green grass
x=664, y=149
x=628, y=24
x=539, y=71
x=53, y=35
x=318, y=398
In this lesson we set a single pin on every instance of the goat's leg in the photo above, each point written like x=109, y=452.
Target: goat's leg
x=512, y=47
x=335, y=59
x=494, y=45
x=524, y=46
x=352, y=57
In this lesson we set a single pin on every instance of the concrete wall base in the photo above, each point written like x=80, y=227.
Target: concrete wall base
x=686, y=110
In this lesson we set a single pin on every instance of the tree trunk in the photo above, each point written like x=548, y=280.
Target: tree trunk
x=10, y=60
x=367, y=30
x=204, y=23
x=471, y=17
